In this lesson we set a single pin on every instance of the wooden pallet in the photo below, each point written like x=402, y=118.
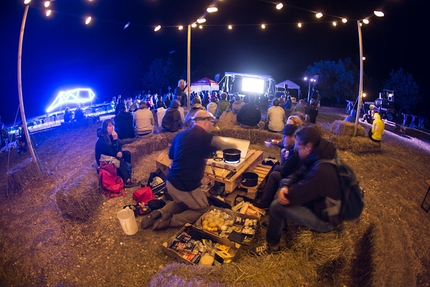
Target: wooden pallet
x=262, y=171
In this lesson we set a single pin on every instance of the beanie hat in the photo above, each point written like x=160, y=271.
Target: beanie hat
x=289, y=129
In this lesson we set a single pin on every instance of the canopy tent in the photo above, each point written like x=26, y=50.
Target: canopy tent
x=204, y=84
x=291, y=86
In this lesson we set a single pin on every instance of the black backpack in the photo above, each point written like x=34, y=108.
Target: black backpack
x=352, y=195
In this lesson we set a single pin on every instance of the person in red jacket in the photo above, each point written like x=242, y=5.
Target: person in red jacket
x=302, y=196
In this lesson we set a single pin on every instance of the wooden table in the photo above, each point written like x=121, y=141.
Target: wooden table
x=252, y=159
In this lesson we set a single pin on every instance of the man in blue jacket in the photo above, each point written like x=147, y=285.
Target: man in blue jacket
x=302, y=198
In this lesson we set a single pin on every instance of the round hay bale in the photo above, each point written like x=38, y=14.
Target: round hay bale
x=79, y=198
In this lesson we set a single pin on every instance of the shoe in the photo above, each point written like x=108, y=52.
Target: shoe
x=265, y=224
x=161, y=224
x=149, y=219
x=263, y=250
x=132, y=183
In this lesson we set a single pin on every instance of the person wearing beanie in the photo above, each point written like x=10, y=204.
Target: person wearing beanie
x=290, y=164
x=302, y=197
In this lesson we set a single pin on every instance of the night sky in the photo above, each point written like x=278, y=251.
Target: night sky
x=60, y=51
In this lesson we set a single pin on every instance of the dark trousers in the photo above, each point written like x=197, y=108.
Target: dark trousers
x=270, y=189
x=124, y=170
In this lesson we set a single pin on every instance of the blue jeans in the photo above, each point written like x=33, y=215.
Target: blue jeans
x=298, y=214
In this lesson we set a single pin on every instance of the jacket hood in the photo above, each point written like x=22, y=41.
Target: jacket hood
x=376, y=116
x=99, y=132
x=324, y=150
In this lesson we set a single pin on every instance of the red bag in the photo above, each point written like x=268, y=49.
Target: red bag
x=109, y=181
x=143, y=194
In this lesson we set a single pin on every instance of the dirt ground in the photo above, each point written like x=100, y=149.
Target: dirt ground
x=41, y=247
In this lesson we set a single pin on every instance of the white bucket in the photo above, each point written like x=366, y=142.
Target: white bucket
x=127, y=221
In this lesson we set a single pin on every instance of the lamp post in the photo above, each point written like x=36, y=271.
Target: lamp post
x=20, y=98
x=360, y=85
x=309, y=86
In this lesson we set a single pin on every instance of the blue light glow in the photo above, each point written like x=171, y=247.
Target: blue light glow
x=74, y=96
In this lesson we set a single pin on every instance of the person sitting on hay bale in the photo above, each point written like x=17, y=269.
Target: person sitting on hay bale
x=143, y=120
x=378, y=128
x=249, y=115
x=302, y=197
x=108, y=144
x=172, y=120
x=290, y=164
x=197, y=105
x=275, y=117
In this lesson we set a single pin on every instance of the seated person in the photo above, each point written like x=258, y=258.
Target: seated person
x=196, y=107
x=275, y=117
x=172, y=120
x=108, y=144
x=212, y=106
x=21, y=143
x=378, y=128
x=67, y=115
x=249, y=114
x=223, y=105
x=302, y=199
x=79, y=114
x=124, y=126
x=291, y=163
x=143, y=120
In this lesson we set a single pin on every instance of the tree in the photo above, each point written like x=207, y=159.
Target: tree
x=406, y=90
x=337, y=81
x=160, y=75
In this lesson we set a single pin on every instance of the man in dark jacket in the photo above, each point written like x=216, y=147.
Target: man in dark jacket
x=172, y=121
x=188, y=153
x=249, y=114
x=124, y=126
x=303, y=196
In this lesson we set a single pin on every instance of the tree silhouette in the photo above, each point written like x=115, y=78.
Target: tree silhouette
x=337, y=81
x=160, y=75
x=406, y=90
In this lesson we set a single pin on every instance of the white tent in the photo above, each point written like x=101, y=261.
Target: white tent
x=290, y=84
x=204, y=84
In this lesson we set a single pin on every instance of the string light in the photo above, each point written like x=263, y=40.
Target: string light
x=263, y=26
x=319, y=15
x=48, y=13
x=230, y=27
x=212, y=9
x=299, y=25
x=334, y=23
x=47, y=3
x=378, y=13
x=279, y=6
x=88, y=20
x=344, y=20
x=180, y=27
x=156, y=29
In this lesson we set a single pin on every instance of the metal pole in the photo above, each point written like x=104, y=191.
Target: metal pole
x=309, y=89
x=360, y=85
x=21, y=102
x=188, y=67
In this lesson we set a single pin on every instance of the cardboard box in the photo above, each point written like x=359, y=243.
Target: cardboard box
x=242, y=231
x=180, y=244
x=163, y=162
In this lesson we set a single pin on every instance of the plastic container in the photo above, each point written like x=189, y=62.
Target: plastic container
x=128, y=221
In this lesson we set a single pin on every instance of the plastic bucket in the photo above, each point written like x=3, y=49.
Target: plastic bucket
x=128, y=221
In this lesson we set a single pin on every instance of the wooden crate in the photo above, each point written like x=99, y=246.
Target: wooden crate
x=253, y=158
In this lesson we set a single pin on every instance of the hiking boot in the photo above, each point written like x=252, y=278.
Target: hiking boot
x=263, y=250
x=163, y=222
x=149, y=219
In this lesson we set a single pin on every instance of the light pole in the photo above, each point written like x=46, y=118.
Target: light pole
x=20, y=98
x=309, y=85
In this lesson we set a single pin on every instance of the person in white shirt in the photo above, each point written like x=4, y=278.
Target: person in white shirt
x=143, y=120
x=276, y=117
x=212, y=106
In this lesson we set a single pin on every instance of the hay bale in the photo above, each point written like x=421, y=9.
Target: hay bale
x=22, y=174
x=148, y=145
x=343, y=128
x=227, y=120
x=355, y=144
x=79, y=197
